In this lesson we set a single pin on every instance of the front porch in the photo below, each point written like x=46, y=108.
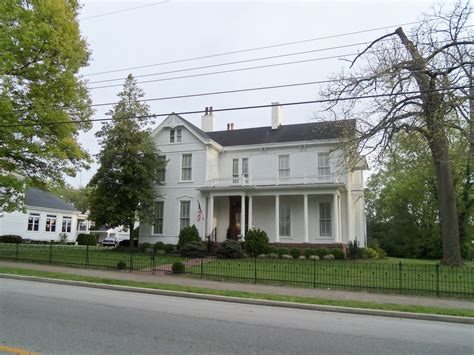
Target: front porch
x=288, y=217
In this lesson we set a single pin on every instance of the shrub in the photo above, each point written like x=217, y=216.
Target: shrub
x=328, y=257
x=272, y=250
x=121, y=265
x=158, y=246
x=86, y=239
x=193, y=250
x=382, y=254
x=178, y=267
x=308, y=252
x=10, y=238
x=338, y=253
x=353, y=250
x=286, y=256
x=229, y=249
x=282, y=251
x=169, y=248
x=145, y=246
x=295, y=253
x=256, y=242
x=188, y=235
x=126, y=243
x=313, y=257
x=322, y=252
x=372, y=253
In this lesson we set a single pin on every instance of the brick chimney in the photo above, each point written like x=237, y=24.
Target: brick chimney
x=207, y=120
x=276, y=115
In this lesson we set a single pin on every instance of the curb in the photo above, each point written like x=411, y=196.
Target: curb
x=251, y=301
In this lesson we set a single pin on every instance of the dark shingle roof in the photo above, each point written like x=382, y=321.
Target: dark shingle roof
x=40, y=198
x=285, y=133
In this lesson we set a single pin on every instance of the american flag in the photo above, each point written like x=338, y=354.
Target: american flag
x=200, y=216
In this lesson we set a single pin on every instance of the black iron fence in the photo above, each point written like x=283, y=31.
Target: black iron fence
x=385, y=276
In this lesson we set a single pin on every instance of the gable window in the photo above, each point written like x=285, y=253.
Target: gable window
x=33, y=222
x=186, y=167
x=158, y=218
x=50, y=223
x=245, y=167
x=81, y=225
x=285, y=224
x=184, y=214
x=325, y=219
x=284, y=166
x=235, y=171
x=66, y=227
x=175, y=135
x=323, y=164
x=161, y=177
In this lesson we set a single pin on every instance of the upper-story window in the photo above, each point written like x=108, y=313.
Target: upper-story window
x=323, y=164
x=175, y=135
x=50, y=223
x=66, y=227
x=33, y=222
x=284, y=166
x=245, y=167
x=186, y=167
x=161, y=177
x=235, y=171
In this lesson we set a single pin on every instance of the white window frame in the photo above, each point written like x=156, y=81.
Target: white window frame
x=161, y=178
x=284, y=166
x=245, y=167
x=81, y=225
x=184, y=214
x=324, y=167
x=51, y=221
x=186, y=171
x=172, y=135
x=33, y=221
x=158, y=219
x=235, y=171
x=325, y=219
x=178, y=135
x=285, y=219
x=65, y=226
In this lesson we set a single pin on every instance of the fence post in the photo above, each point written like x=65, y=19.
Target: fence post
x=400, y=277
x=202, y=267
x=50, y=251
x=437, y=279
x=255, y=270
x=17, y=251
x=314, y=273
x=131, y=260
x=87, y=256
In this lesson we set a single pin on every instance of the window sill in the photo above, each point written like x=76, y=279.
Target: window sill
x=185, y=181
x=287, y=238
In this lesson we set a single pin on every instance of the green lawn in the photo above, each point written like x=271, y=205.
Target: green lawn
x=379, y=275
x=79, y=256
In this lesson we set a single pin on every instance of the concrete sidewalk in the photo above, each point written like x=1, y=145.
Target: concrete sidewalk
x=256, y=288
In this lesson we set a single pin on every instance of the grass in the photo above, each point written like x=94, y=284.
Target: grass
x=241, y=294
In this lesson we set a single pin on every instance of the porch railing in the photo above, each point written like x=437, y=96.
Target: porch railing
x=248, y=180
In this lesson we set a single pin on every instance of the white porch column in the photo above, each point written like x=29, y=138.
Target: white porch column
x=339, y=214
x=250, y=213
x=277, y=218
x=335, y=221
x=242, y=216
x=305, y=216
x=350, y=227
x=210, y=215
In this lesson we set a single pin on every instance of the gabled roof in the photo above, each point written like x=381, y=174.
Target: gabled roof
x=285, y=133
x=39, y=198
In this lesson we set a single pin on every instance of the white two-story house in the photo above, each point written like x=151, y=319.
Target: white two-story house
x=289, y=180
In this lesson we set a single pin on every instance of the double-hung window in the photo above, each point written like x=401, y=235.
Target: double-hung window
x=323, y=164
x=235, y=171
x=285, y=222
x=81, y=225
x=33, y=222
x=245, y=167
x=184, y=214
x=325, y=219
x=284, y=166
x=158, y=218
x=175, y=135
x=66, y=227
x=186, y=167
x=161, y=178
x=50, y=223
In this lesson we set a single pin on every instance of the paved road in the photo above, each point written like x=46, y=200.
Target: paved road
x=59, y=319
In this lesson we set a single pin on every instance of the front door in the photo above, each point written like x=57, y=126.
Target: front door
x=235, y=210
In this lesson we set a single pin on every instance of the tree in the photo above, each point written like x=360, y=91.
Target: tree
x=418, y=85
x=76, y=196
x=123, y=189
x=42, y=52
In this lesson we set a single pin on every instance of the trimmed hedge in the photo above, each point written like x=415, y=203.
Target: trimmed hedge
x=86, y=239
x=338, y=253
x=158, y=246
x=193, y=250
x=256, y=242
x=322, y=252
x=295, y=253
x=10, y=238
x=188, y=235
x=229, y=249
x=178, y=267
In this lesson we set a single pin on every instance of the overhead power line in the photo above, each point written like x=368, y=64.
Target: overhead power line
x=238, y=108
x=123, y=10
x=254, y=48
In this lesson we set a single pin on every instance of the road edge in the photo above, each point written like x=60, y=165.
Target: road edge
x=251, y=301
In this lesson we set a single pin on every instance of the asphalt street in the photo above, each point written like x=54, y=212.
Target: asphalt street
x=60, y=319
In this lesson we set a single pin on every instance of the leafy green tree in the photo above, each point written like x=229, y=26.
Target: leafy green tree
x=41, y=53
x=76, y=196
x=123, y=189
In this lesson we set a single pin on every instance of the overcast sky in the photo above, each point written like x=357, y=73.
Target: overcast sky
x=176, y=30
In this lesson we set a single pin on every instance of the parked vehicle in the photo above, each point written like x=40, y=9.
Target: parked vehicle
x=111, y=241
